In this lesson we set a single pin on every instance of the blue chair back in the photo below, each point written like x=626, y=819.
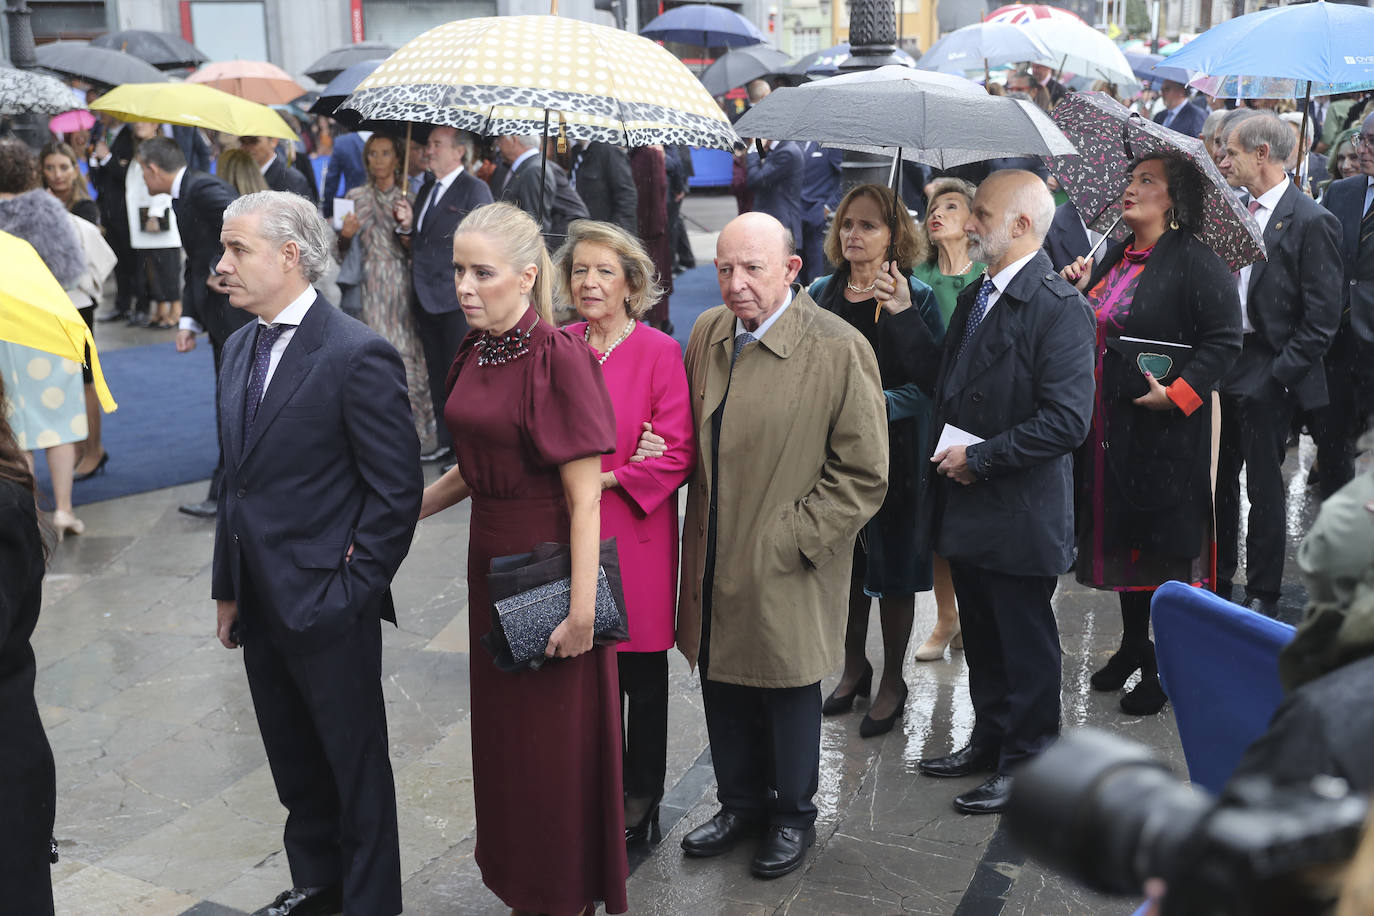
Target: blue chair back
x=1218, y=663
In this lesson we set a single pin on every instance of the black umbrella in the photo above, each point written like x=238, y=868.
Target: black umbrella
x=340, y=59
x=97, y=65
x=735, y=68
x=341, y=87
x=163, y=50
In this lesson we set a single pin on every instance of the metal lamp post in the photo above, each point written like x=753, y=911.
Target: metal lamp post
x=872, y=44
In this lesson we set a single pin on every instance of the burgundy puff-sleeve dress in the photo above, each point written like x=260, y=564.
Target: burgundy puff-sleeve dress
x=546, y=755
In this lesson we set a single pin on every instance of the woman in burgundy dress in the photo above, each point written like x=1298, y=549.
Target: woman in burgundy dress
x=530, y=419
x=609, y=279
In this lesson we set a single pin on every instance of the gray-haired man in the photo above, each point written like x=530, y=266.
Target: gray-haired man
x=320, y=499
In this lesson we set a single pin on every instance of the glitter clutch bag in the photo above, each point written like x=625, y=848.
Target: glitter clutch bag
x=531, y=594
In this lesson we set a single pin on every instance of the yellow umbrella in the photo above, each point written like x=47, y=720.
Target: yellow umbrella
x=36, y=312
x=194, y=104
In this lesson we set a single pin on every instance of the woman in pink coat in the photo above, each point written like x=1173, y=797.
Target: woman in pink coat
x=610, y=280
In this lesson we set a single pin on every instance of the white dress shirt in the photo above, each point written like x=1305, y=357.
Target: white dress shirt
x=289, y=319
x=1267, y=202
x=186, y=322
x=1004, y=278
x=767, y=322
x=1173, y=113
x=1368, y=196
x=441, y=187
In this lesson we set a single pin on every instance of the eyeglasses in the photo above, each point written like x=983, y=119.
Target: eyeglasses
x=1362, y=139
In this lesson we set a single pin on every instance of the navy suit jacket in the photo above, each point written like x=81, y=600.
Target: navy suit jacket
x=1025, y=386
x=820, y=182
x=431, y=244
x=200, y=217
x=606, y=185
x=346, y=165
x=282, y=177
x=1189, y=120
x=332, y=462
x=1345, y=199
x=776, y=180
x=1066, y=241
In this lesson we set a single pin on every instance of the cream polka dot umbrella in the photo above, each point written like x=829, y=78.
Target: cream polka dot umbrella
x=513, y=74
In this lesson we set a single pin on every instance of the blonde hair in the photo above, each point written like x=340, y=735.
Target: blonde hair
x=909, y=246
x=635, y=263
x=517, y=235
x=238, y=168
x=939, y=188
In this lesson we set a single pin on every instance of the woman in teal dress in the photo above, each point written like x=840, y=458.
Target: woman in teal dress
x=947, y=269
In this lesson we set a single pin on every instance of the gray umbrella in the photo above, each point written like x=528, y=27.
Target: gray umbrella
x=735, y=68
x=163, y=50
x=26, y=92
x=930, y=117
x=97, y=65
x=340, y=59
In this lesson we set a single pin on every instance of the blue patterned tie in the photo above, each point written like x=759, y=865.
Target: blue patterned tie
x=741, y=341
x=975, y=317
x=257, y=379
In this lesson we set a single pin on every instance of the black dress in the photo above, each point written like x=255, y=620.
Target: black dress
x=28, y=782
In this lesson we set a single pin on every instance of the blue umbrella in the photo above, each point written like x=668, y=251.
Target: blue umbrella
x=983, y=45
x=1148, y=69
x=705, y=26
x=342, y=86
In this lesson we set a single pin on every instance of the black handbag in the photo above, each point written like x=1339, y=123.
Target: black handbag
x=531, y=594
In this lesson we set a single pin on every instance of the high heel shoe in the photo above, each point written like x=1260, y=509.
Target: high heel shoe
x=870, y=726
x=835, y=704
x=934, y=649
x=1113, y=675
x=647, y=829
x=99, y=467
x=64, y=523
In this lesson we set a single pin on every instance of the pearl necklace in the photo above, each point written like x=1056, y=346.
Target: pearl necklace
x=601, y=360
x=961, y=271
x=866, y=289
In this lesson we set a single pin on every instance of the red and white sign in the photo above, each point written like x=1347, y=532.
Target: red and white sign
x=355, y=19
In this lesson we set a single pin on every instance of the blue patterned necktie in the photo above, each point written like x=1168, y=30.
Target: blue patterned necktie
x=741, y=341
x=257, y=379
x=975, y=316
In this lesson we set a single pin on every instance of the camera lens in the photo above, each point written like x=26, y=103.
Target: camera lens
x=1104, y=811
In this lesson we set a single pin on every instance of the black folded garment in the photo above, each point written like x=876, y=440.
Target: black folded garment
x=1125, y=378
x=531, y=594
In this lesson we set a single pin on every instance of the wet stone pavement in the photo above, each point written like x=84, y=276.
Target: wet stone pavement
x=166, y=804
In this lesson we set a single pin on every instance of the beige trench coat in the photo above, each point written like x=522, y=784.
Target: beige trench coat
x=803, y=465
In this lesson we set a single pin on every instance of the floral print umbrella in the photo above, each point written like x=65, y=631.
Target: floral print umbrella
x=1109, y=137
x=25, y=92
x=514, y=74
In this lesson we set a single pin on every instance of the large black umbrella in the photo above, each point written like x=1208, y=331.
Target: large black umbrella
x=163, y=50
x=340, y=59
x=735, y=68
x=97, y=65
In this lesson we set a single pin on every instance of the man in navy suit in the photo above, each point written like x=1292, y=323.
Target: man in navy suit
x=1350, y=361
x=321, y=496
x=445, y=199
x=1067, y=240
x=1177, y=114
x=199, y=201
x=345, y=167
x=775, y=178
x=278, y=175
x=820, y=195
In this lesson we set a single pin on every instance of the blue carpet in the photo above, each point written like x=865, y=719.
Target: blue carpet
x=163, y=433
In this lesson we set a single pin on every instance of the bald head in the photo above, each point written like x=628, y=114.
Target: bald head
x=755, y=265
x=1011, y=213
x=757, y=90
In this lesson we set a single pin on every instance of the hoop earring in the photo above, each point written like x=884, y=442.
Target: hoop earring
x=1173, y=218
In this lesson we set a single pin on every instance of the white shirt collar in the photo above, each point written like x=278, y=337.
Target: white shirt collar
x=176, y=182
x=1008, y=273
x=1177, y=108
x=268, y=164
x=1270, y=198
x=767, y=322
x=294, y=313
x=520, y=160
x=441, y=185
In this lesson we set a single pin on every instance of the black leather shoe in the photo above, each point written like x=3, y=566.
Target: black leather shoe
x=1266, y=606
x=112, y=316
x=989, y=798
x=442, y=453
x=964, y=762
x=717, y=835
x=871, y=727
x=205, y=509
x=306, y=901
x=782, y=850
x=835, y=704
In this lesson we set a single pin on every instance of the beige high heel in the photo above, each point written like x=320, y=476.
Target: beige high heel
x=65, y=522
x=934, y=649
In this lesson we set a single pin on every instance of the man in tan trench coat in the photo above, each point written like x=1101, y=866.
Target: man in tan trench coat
x=792, y=428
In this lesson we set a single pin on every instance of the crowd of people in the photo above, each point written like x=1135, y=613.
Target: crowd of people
x=896, y=395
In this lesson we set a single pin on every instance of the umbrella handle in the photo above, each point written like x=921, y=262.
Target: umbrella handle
x=1106, y=235
x=405, y=169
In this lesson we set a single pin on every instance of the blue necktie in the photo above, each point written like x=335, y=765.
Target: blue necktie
x=975, y=317
x=741, y=341
x=257, y=379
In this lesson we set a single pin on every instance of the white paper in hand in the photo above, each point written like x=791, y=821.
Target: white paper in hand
x=342, y=207
x=952, y=435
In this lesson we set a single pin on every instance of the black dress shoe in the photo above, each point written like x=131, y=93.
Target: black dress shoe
x=964, y=762
x=441, y=453
x=204, y=509
x=835, y=704
x=782, y=850
x=717, y=835
x=989, y=798
x=1266, y=606
x=112, y=316
x=306, y=901
x=871, y=727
